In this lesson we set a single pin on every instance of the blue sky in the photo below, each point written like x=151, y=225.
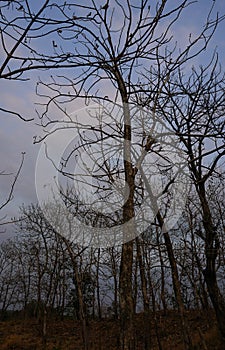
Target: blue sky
x=16, y=136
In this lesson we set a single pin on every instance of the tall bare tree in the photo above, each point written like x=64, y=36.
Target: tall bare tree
x=103, y=52
x=193, y=104
x=86, y=40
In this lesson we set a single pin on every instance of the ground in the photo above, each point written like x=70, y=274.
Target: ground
x=26, y=334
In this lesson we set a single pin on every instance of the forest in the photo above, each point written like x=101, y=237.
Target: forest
x=124, y=245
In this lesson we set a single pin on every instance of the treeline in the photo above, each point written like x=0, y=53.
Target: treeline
x=43, y=272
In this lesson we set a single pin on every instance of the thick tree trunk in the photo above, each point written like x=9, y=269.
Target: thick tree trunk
x=125, y=283
x=126, y=266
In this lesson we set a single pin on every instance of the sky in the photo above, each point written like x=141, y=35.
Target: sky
x=16, y=136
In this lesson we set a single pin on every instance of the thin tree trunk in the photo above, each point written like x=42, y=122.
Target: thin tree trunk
x=81, y=308
x=80, y=294
x=116, y=289
x=98, y=286
x=143, y=277
x=173, y=265
x=44, y=328
x=155, y=319
x=211, y=252
x=176, y=283
x=126, y=298
x=162, y=294
x=145, y=296
x=177, y=290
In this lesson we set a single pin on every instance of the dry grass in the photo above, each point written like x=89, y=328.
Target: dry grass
x=104, y=334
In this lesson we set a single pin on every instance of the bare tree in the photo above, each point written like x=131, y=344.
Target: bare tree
x=193, y=105
x=102, y=52
x=105, y=53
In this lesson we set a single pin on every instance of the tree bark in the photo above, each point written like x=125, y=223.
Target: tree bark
x=125, y=282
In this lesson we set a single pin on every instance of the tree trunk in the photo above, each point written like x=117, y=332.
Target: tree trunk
x=211, y=252
x=145, y=296
x=126, y=298
x=173, y=265
x=81, y=307
x=116, y=289
x=177, y=290
x=162, y=294
x=143, y=277
x=98, y=286
x=176, y=283
x=78, y=281
x=125, y=283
